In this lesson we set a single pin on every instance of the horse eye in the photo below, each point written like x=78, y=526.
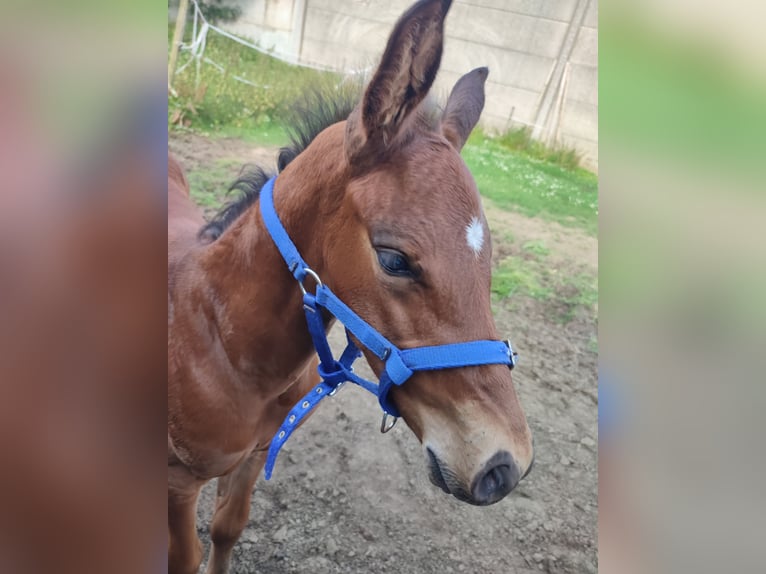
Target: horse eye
x=394, y=262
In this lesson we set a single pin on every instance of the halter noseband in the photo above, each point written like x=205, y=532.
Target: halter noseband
x=400, y=364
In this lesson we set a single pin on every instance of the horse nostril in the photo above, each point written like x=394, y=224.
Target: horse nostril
x=499, y=476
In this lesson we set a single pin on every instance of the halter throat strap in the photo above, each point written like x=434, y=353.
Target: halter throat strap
x=400, y=364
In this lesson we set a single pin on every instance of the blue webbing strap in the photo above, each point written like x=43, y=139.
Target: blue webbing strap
x=472, y=353
x=317, y=331
x=399, y=364
x=367, y=336
x=295, y=262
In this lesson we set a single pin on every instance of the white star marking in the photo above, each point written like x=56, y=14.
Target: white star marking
x=474, y=235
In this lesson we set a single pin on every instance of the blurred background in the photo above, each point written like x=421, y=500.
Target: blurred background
x=82, y=273
x=682, y=259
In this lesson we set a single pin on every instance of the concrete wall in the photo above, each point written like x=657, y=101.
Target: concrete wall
x=542, y=54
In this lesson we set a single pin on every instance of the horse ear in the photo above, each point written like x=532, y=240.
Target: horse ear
x=464, y=107
x=405, y=74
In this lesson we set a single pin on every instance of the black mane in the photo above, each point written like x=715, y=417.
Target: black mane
x=306, y=119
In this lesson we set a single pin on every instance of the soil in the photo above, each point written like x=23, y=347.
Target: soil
x=345, y=498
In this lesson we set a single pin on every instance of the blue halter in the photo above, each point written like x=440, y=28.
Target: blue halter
x=400, y=364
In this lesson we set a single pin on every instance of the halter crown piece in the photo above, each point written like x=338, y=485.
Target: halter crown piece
x=400, y=364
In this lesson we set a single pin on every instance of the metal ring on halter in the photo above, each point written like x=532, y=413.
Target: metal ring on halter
x=384, y=428
x=313, y=274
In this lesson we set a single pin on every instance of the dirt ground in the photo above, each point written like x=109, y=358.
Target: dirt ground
x=345, y=498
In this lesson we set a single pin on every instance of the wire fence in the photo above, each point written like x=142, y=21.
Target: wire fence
x=201, y=28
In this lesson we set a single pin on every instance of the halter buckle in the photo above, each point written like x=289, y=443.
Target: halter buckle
x=511, y=354
x=384, y=426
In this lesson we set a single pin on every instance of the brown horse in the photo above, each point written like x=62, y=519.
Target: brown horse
x=381, y=205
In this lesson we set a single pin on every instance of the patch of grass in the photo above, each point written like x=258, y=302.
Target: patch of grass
x=515, y=276
x=520, y=140
x=507, y=237
x=267, y=134
x=216, y=101
x=536, y=248
x=534, y=187
x=585, y=288
x=209, y=185
x=577, y=292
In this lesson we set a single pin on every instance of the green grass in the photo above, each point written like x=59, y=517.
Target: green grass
x=266, y=134
x=507, y=237
x=529, y=273
x=215, y=101
x=520, y=139
x=576, y=292
x=209, y=184
x=514, y=276
x=567, y=294
x=536, y=248
x=535, y=187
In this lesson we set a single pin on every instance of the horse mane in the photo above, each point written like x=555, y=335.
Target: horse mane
x=316, y=110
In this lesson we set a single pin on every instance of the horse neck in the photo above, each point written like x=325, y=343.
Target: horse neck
x=255, y=302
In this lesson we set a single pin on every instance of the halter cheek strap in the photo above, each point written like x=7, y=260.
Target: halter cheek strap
x=399, y=364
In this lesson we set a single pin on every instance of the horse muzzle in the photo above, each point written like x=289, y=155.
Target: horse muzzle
x=492, y=483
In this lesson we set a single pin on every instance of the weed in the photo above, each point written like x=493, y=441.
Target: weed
x=216, y=98
x=536, y=248
x=586, y=289
x=517, y=276
x=520, y=139
x=209, y=185
x=508, y=237
x=576, y=292
x=514, y=276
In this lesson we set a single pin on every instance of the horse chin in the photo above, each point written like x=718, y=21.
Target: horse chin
x=437, y=478
x=441, y=476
